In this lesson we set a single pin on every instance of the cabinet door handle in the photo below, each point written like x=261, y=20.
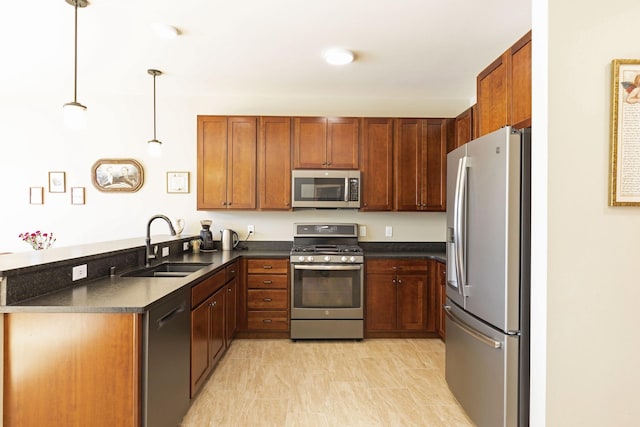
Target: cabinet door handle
x=266, y=299
x=399, y=281
x=393, y=281
x=329, y=163
x=224, y=203
x=213, y=304
x=266, y=320
x=267, y=282
x=229, y=290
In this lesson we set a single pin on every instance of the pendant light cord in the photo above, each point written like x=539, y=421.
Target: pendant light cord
x=154, y=73
x=75, y=55
x=154, y=107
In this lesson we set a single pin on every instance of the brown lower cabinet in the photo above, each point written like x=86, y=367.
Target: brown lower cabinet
x=267, y=297
x=231, y=304
x=72, y=369
x=399, y=298
x=213, y=322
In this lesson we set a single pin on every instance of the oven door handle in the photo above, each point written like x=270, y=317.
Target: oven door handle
x=327, y=267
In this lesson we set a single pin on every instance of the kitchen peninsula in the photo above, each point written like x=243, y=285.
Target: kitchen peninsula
x=82, y=350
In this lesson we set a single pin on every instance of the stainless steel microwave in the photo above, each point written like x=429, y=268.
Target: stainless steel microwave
x=325, y=188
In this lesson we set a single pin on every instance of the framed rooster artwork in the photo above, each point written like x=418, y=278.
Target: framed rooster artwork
x=624, y=152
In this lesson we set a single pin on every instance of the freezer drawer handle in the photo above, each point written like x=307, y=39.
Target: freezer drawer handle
x=469, y=330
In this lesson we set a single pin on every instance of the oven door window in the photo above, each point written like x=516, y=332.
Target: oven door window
x=326, y=288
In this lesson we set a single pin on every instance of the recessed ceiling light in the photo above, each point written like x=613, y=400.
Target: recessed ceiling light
x=164, y=31
x=338, y=56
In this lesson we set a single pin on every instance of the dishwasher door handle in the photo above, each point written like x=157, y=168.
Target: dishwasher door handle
x=170, y=315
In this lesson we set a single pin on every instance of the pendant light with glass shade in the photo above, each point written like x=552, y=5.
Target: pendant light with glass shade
x=154, y=146
x=74, y=112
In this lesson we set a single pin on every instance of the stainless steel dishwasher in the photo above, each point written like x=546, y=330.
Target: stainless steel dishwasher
x=166, y=358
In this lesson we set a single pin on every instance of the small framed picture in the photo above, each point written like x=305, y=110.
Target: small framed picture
x=36, y=195
x=177, y=182
x=77, y=195
x=57, y=182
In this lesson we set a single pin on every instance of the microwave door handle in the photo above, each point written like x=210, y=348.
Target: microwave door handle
x=346, y=188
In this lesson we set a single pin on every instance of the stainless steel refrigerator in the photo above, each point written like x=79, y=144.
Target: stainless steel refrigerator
x=488, y=277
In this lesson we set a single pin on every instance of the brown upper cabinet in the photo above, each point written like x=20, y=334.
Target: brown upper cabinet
x=521, y=82
x=420, y=164
x=376, y=170
x=274, y=163
x=227, y=162
x=504, y=89
x=463, y=129
x=321, y=142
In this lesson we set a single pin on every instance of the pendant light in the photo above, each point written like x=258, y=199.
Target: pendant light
x=74, y=112
x=155, y=147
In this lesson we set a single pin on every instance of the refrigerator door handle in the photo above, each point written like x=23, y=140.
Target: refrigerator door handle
x=459, y=221
x=471, y=331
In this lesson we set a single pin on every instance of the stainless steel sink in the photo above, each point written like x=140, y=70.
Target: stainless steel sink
x=168, y=269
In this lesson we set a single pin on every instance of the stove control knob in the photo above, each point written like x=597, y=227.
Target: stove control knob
x=301, y=258
x=309, y=258
x=327, y=258
x=352, y=259
x=343, y=259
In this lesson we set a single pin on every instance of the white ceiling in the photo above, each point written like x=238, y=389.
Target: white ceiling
x=405, y=48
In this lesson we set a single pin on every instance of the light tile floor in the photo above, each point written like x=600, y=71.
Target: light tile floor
x=374, y=382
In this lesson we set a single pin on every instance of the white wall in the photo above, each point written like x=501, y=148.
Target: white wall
x=34, y=142
x=593, y=341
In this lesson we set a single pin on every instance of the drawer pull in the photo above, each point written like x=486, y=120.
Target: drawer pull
x=267, y=267
x=266, y=320
x=267, y=299
x=267, y=282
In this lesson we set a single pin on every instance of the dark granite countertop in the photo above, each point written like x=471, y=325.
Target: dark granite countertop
x=438, y=256
x=130, y=294
x=119, y=294
x=431, y=250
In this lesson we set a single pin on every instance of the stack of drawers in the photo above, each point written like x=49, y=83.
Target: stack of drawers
x=268, y=294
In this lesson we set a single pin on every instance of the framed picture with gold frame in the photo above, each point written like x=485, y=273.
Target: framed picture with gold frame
x=57, y=182
x=36, y=195
x=77, y=195
x=177, y=182
x=624, y=151
x=119, y=175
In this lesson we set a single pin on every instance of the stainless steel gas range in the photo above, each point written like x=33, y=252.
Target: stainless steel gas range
x=326, y=282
